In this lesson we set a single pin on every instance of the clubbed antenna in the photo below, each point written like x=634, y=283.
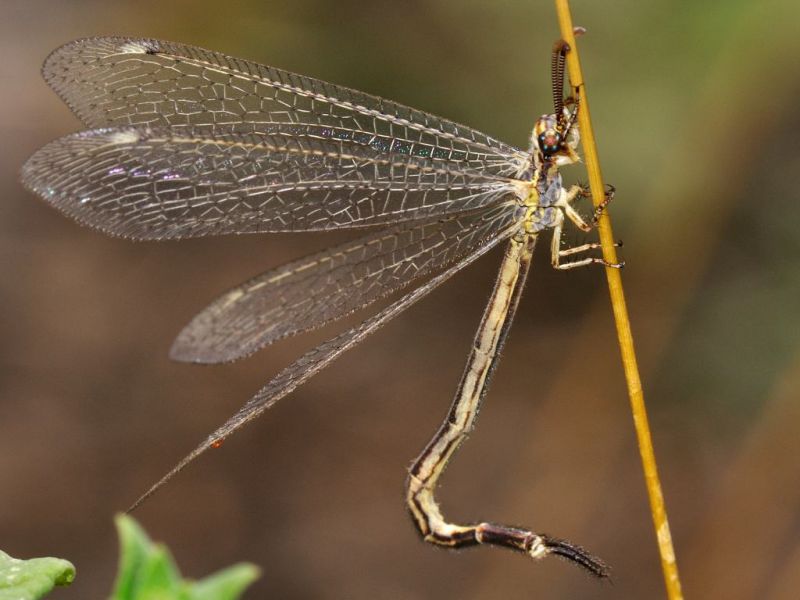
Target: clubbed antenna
x=560, y=49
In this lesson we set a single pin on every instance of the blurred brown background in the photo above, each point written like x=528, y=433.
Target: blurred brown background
x=695, y=106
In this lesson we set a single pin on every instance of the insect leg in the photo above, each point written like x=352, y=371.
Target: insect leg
x=565, y=203
x=600, y=208
x=556, y=253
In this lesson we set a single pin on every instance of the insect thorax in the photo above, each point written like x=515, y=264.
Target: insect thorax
x=543, y=193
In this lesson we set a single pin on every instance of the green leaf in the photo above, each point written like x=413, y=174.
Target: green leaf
x=227, y=584
x=31, y=579
x=147, y=571
x=134, y=548
x=158, y=576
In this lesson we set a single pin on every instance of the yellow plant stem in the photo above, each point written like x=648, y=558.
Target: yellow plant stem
x=657, y=508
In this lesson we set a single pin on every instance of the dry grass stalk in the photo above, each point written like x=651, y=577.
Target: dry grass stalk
x=657, y=508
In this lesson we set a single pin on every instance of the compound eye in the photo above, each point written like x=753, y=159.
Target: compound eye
x=549, y=142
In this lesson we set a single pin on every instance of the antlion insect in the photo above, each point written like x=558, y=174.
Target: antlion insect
x=185, y=142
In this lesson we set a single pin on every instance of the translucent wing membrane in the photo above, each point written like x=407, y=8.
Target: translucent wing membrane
x=121, y=82
x=185, y=142
x=312, y=291
x=174, y=183
x=311, y=363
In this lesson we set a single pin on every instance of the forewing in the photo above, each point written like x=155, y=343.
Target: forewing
x=322, y=287
x=312, y=363
x=120, y=82
x=146, y=183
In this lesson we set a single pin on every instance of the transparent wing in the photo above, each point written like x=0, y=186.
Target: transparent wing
x=120, y=82
x=322, y=287
x=311, y=363
x=171, y=183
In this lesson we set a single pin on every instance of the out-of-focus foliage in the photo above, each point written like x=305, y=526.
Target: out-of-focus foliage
x=147, y=571
x=32, y=578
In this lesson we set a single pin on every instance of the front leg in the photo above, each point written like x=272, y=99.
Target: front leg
x=601, y=208
x=568, y=196
x=565, y=203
